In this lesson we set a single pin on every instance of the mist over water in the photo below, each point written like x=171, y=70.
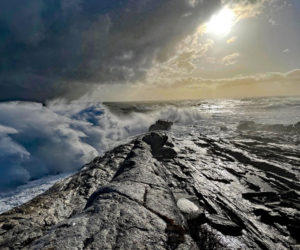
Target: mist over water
x=39, y=141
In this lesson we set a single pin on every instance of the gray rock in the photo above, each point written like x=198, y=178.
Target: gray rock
x=189, y=209
x=157, y=192
x=224, y=225
x=161, y=125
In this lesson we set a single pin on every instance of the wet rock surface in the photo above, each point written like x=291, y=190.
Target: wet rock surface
x=158, y=192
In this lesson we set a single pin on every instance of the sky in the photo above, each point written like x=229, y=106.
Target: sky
x=124, y=50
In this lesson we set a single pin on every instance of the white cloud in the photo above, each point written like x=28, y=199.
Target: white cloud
x=230, y=59
x=231, y=40
x=291, y=77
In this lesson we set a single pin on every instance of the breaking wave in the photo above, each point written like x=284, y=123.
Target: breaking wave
x=277, y=128
x=37, y=140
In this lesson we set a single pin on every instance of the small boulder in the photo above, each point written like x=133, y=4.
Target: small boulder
x=186, y=206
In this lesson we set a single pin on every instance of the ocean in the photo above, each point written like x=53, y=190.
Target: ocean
x=42, y=144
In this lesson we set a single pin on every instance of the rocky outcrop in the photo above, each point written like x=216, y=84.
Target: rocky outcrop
x=158, y=192
x=161, y=125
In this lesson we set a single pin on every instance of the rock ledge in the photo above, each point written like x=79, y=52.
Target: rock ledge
x=160, y=193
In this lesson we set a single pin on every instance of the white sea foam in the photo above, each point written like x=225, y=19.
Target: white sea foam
x=24, y=193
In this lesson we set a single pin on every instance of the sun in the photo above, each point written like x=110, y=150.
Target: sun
x=221, y=23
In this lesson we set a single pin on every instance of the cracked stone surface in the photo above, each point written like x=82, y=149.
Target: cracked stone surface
x=155, y=193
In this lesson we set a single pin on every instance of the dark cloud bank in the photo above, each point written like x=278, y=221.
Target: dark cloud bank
x=53, y=48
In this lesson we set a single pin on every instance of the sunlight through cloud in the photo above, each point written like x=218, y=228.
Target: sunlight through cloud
x=221, y=23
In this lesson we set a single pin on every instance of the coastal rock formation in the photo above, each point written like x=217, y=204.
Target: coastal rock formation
x=158, y=192
x=161, y=125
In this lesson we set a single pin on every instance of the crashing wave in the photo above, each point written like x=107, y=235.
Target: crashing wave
x=33, y=148
x=276, y=128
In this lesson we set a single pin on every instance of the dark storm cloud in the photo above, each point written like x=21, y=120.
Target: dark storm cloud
x=53, y=47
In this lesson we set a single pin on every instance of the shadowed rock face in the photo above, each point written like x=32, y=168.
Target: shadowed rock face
x=157, y=192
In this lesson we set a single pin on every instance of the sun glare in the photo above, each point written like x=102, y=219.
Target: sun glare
x=221, y=23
